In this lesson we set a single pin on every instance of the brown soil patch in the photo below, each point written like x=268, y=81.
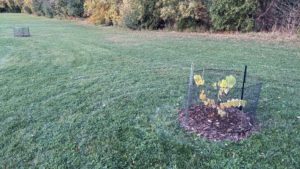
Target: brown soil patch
x=206, y=122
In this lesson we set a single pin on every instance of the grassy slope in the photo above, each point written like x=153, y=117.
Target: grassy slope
x=83, y=96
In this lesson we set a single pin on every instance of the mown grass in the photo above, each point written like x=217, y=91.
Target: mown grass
x=80, y=96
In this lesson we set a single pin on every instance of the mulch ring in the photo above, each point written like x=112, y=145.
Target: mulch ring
x=206, y=122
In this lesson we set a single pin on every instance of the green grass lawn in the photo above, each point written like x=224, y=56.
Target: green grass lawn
x=82, y=96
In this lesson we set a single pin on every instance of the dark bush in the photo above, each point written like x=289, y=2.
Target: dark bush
x=47, y=9
x=195, y=15
x=150, y=17
x=10, y=6
x=233, y=15
x=37, y=8
x=69, y=7
x=141, y=14
x=75, y=7
x=51, y=8
x=131, y=20
x=278, y=15
x=27, y=9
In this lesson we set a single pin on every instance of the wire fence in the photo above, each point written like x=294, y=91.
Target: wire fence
x=173, y=122
x=21, y=32
x=250, y=92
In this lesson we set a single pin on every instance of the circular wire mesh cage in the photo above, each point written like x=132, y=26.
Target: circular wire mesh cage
x=21, y=32
x=246, y=88
x=177, y=122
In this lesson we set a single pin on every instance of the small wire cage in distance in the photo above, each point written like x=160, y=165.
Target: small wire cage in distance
x=21, y=32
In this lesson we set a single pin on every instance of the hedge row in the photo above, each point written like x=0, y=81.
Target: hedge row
x=49, y=8
x=218, y=15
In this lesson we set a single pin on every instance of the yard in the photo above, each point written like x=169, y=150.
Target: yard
x=80, y=96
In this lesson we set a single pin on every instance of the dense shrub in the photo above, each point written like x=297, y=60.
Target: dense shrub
x=192, y=14
x=3, y=6
x=27, y=6
x=67, y=7
x=145, y=14
x=184, y=14
x=138, y=14
x=121, y=12
x=37, y=7
x=233, y=15
x=131, y=14
x=74, y=7
x=220, y=15
x=278, y=15
x=47, y=8
x=103, y=11
x=168, y=12
x=11, y=5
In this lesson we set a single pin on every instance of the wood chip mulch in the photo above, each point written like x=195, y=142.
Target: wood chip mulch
x=207, y=123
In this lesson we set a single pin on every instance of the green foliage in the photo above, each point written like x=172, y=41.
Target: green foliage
x=131, y=14
x=150, y=17
x=233, y=15
x=183, y=14
x=11, y=5
x=223, y=87
x=27, y=6
x=92, y=97
x=49, y=8
x=3, y=6
x=67, y=7
x=74, y=7
x=131, y=19
x=37, y=8
x=144, y=14
x=141, y=14
x=194, y=15
x=168, y=12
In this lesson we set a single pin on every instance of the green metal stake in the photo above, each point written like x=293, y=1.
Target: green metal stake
x=243, y=87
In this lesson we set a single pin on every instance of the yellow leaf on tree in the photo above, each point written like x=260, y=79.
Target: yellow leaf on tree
x=223, y=84
x=223, y=91
x=214, y=85
x=233, y=103
x=202, y=96
x=231, y=81
x=199, y=80
x=210, y=102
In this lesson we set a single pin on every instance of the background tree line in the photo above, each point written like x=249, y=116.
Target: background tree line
x=217, y=15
